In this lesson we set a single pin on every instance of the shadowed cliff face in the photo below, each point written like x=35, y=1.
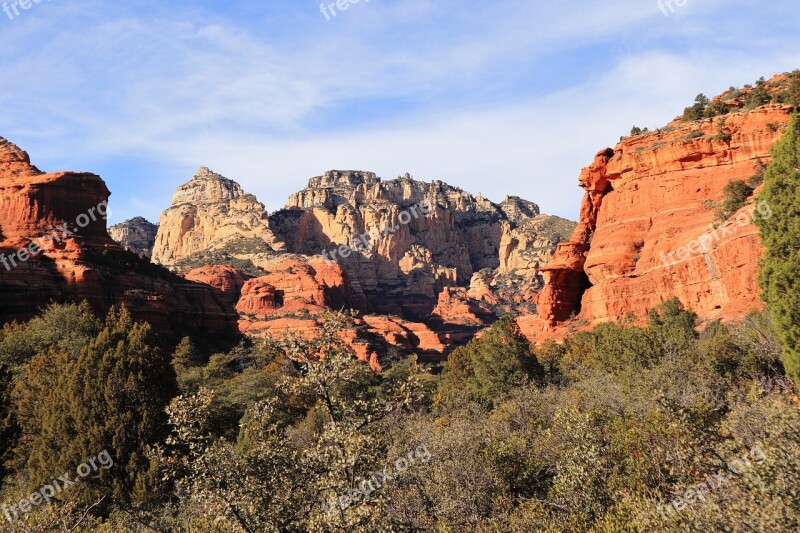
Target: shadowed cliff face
x=84, y=262
x=652, y=196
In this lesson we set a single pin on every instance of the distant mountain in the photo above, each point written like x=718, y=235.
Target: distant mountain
x=136, y=235
x=424, y=264
x=403, y=247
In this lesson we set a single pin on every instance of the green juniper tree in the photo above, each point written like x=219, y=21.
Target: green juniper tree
x=695, y=112
x=61, y=327
x=488, y=367
x=110, y=397
x=759, y=95
x=780, y=232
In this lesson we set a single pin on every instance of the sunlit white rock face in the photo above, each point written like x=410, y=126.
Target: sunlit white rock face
x=207, y=213
x=136, y=235
x=408, y=267
x=207, y=187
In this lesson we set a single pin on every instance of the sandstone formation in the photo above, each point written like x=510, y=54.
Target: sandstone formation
x=459, y=316
x=427, y=252
x=374, y=338
x=297, y=289
x=211, y=213
x=80, y=261
x=404, y=335
x=424, y=265
x=224, y=278
x=136, y=235
x=403, y=269
x=648, y=198
x=293, y=286
x=456, y=307
x=524, y=250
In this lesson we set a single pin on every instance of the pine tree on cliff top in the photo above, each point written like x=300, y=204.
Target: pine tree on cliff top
x=780, y=232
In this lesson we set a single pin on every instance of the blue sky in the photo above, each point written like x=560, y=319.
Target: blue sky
x=507, y=97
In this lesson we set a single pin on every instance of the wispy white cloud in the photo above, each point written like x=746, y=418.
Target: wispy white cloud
x=533, y=149
x=507, y=97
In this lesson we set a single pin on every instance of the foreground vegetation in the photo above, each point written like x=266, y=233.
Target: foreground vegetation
x=590, y=435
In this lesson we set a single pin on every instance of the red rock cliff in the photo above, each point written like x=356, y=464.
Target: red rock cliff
x=85, y=263
x=647, y=231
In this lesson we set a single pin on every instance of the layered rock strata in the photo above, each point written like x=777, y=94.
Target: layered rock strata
x=647, y=229
x=79, y=261
x=428, y=252
x=402, y=271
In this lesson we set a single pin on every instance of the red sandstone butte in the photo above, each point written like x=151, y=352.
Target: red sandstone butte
x=87, y=265
x=293, y=286
x=226, y=279
x=651, y=195
x=296, y=290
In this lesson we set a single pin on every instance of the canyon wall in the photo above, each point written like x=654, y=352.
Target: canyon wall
x=430, y=262
x=424, y=265
x=647, y=229
x=427, y=265
x=84, y=263
x=402, y=271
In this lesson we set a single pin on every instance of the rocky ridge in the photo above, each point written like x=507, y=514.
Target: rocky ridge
x=421, y=282
x=649, y=197
x=418, y=264
x=85, y=263
x=403, y=271
x=136, y=235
